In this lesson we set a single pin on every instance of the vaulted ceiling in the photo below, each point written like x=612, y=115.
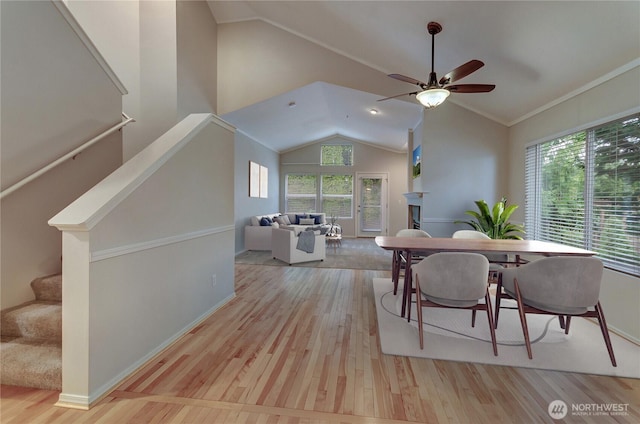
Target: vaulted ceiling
x=536, y=52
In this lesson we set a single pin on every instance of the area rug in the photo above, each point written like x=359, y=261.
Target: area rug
x=449, y=336
x=360, y=253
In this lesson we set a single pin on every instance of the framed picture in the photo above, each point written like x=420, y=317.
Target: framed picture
x=264, y=181
x=254, y=179
x=417, y=158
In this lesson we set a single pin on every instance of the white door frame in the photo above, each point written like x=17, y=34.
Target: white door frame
x=384, y=203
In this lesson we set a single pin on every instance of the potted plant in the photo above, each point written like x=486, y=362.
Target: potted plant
x=494, y=222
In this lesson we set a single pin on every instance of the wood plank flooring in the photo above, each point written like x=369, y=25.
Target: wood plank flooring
x=300, y=345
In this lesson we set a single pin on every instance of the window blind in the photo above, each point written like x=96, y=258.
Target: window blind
x=337, y=195
x=300, y=193
x=583, y=190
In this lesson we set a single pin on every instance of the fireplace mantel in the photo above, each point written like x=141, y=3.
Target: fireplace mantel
x=414, y=197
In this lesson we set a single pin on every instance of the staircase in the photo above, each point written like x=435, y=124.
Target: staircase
x=31, y=338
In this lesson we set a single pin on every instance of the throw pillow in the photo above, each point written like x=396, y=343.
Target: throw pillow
x=286, y=219
x=307, y=221
x=265, y=221
x=275, y=224
x=299, y=217
x=317, y=219
x=279, y=220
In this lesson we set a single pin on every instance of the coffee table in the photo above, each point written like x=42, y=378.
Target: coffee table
x=334, y=240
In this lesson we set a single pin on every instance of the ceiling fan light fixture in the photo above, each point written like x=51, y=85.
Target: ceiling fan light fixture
x=432, y=97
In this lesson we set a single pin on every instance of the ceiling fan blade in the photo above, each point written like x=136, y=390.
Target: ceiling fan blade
x=408, y=79
x=471, y=88
x=398, y=95
x=461, y=71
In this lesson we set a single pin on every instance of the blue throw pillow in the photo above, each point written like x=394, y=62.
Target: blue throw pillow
x=298, y=217
x=316, y=218
x=265, y=221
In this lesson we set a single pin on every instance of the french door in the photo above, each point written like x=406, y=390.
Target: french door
x=371, y=206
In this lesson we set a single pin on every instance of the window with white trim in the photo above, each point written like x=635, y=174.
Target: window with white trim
x=583, y=190
x=300, y=193
x=337, y=195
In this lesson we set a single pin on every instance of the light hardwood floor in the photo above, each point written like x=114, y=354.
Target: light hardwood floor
x=300, y=345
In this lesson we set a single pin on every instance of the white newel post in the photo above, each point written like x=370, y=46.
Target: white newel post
x=76, y=320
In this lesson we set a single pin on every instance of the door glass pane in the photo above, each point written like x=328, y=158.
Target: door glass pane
x=371, y=204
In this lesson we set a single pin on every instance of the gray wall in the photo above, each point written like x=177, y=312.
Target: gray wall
x=197, y=58
x=55, y=97
x=247, y=149
x=464, y=158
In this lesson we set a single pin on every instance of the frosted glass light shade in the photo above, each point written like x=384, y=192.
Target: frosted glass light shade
x=432, y=97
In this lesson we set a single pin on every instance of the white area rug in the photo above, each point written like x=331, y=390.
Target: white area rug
x=449, y=336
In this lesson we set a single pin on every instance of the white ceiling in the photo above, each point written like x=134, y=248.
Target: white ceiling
x=536, y=53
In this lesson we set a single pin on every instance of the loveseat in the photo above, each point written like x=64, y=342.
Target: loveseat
x=257, y=236
x=288, y=247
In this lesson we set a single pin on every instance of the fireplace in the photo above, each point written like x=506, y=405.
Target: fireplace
x=414, y=217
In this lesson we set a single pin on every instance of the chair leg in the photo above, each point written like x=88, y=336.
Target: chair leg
x=487, y=298
x=473, y=318
x=395, y=271
x=409, y=297
x=405, y=292
x=419, y=306
x=523, y=320
x=605, y=333
x=561, y=321
x=498, y=297
x=567, y=324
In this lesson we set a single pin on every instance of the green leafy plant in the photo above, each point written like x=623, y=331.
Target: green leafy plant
x=494, y=222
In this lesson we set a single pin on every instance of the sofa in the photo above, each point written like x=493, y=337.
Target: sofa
x=257, y=235
x=286, y=245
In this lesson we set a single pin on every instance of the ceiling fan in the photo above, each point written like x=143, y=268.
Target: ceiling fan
x=435, y=92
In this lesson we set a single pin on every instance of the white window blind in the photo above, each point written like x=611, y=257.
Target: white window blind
x=583, y=190
x=337, y=195
x=300, y=193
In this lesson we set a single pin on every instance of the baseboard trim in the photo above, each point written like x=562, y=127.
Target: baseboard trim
x=73, y=402
x=86, y=402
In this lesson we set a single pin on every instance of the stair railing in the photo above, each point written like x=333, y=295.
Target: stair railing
x=68, y=156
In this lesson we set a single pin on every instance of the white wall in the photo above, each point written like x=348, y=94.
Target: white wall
x=366, y=158
x=247, y=149
x=55, y=97
x=464, y=158
x=141, y=249
x=620, y=293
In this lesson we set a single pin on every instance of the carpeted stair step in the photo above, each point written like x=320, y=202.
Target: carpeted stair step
x=35, y=319
x=31, y=363
x=48, y=288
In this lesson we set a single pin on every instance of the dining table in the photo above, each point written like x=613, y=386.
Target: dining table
x=407, y=247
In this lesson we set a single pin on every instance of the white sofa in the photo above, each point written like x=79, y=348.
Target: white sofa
x=284, y=244
x=258, y=237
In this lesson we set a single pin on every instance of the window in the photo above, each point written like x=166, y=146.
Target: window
x=583, y=190
x=300, y=193
x=337, y=195
x=336, y=155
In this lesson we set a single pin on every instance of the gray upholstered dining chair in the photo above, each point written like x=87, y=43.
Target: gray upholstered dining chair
x=496, y=260
x=399, y=263
x=453, y=280
x=563, y=286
